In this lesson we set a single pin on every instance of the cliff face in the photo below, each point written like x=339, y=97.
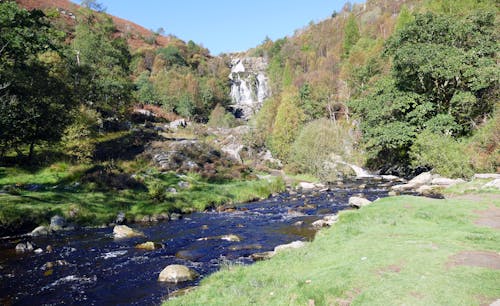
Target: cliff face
x=134, y=33
x=249, y=85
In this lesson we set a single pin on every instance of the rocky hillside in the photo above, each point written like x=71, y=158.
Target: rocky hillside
x=136, y=35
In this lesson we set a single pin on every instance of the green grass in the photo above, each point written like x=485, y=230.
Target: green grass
x=473, y=186
x=394, y=252
x=86, y=205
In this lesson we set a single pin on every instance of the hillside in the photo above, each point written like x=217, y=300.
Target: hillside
x=407, y=72
x=135, y=34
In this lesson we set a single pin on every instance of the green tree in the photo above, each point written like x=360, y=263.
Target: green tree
x=455, y=70
x=35, y=100
x=288, y=121
x=351, y=35
x=101, y=70
x=145, y=91
x=172, y=56
x=405, y=17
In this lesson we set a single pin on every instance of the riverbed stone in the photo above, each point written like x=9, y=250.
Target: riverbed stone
x=245, y=247
x=358, y=202
x=230, y=237
x=306, y=185
x=487, y=176
x=290, y=246
x=24, y=247
x=123, y=231
x=120, y=218
x=57, y=223
x=149, y=246
x=326, y=221
x=446, y=182
x=177, y=274
x=175, y=216
x=493, y=184
x=424, y=178
x=262, y=256
x=40, y=231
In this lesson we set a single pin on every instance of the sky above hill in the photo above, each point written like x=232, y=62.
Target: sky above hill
x=223, y=25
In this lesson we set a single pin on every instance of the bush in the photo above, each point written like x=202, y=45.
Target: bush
x=445, y=155
x=78, y=136
x=484, y=146
x=220, y=118
x=322, y=141
x=157, y=191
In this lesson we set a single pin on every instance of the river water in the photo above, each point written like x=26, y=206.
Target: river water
x=89, y=267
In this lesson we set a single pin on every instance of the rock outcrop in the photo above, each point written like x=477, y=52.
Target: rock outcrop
x=249, y=85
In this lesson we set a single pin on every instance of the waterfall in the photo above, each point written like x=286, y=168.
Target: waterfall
x=249, y=85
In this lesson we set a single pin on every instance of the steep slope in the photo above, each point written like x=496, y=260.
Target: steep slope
x=135, y=34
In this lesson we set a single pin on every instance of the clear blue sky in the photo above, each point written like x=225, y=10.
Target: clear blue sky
x=223, y=25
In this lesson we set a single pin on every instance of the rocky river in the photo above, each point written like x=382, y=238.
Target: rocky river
x=90, y=267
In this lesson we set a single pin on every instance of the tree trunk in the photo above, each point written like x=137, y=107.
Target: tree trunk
x=32, y=149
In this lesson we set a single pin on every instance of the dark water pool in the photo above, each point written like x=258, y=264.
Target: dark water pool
x=92, y=268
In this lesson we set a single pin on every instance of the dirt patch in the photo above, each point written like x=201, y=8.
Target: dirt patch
x=389, y=269
x=483, y=259
x=417, y=295
x=489, y=217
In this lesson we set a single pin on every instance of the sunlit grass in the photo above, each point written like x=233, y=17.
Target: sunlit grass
x=394, y=252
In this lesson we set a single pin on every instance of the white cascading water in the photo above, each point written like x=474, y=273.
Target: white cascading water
x=249, y=85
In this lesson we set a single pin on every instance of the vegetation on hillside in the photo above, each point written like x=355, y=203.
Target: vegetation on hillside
x=405, y=73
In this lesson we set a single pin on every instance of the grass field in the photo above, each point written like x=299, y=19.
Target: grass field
x=58, y=191
x=398, y=251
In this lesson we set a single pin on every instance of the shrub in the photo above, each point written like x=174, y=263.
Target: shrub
x=287, y=124
x=444, y=154
x=78, y=136
x=319, y=143
x=220, y=118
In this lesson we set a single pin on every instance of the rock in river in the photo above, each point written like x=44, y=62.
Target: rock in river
x=358, y=202
x=40, y=231
x=149, y=246
x=123, y=231
x=24, y=247
x=57, y=223
x=177, y=274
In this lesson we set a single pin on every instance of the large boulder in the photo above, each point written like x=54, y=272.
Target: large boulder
x=57, y=223
x=446, y=182
x=123, y=231
x=358, y=202
x=40, y=231
x=177, y=274
x=290, y=246
x=421, y=179
x=487, y=176
x=493, y=184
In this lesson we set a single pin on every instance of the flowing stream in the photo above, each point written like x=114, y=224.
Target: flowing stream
x=89, y=267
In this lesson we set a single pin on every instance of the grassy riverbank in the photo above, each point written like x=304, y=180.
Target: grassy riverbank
x=30, y=197
x=399, y=251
